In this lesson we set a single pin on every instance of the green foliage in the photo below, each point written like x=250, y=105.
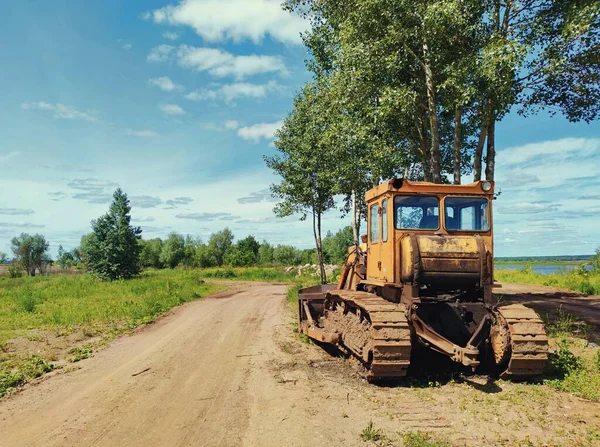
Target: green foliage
x=3, y=258
x=62, y=301
x=571, y=280
x=79, y=353
x=243, y=253
x=564, y=361
x=68, y=259
x=150, y=252
x=16, y=374
x=335, y=246
x=173, y=251
x=265, y=253
x=218, y=245
x=422, y=439
x=31, y=252
x=286, y=255
x=15, y=270
x=372, y=434
x=112, y=251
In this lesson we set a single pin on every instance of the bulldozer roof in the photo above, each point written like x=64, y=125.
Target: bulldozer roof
x=406, y=186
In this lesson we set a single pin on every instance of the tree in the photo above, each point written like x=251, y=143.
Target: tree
x=150, y=253
x=218, y=245
x=430, y=79
x=243, y=253
x=65, y=258
x=112, y=250
x=30, y=252
x=336, y=245
x=305, y=164
x=265, y=253
x=3, y=258
x=173, y=250
x=286, y=255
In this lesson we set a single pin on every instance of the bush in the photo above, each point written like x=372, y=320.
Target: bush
x=15, y=270
x=564, y=361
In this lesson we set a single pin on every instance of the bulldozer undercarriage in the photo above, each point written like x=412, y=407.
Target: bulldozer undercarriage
x=381, y=334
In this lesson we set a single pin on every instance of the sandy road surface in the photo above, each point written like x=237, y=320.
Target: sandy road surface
x=228, y=371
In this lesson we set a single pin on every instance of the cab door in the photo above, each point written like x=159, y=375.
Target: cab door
x=374, y=253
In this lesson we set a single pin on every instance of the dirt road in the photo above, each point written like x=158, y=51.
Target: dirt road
x=228, y=371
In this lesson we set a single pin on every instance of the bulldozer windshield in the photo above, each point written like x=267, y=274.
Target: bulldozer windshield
x=417, y=212
x=466, y=214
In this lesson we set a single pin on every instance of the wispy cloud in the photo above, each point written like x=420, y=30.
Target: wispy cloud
x=206, y=217
x=61, y=111
x=258, y=131
x=93, y=190
x=20, y=225
x=171, y=36
x=164, y=83
x=172, y=109
x=7, y=157
x=264, y=195
x=16, y=211
x=145, y=201
x=160, y=53
x=141, y=133
x=219, y=63
x=235, y=20
x=236, y=90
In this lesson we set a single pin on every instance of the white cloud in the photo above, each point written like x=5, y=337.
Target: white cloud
x=258, y=131
x=164, y=83
x=231, y=125
x=141, y=133
x=16, y=211
x=171, y=36
x=229, y=92
x=160, y=53
x=172, y=109
x=61, y=111
x=222, y=64
x=7, y=157
x=236, y=20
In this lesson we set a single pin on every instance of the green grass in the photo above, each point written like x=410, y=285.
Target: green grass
x=422, y=439
x=575, y=280
x=270, y=274
x=371, y=434
x=63, y=305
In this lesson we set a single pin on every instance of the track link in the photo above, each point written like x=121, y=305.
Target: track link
x=528, y=341
x=374, y=330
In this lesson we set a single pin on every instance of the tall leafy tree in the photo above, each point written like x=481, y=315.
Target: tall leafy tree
x=305, y=164
x=173, y=250
x=150, y=253
x=112, y=251
x=219, y=244
x=31, y=252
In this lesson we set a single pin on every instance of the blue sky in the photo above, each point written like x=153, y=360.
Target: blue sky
x=177, y=103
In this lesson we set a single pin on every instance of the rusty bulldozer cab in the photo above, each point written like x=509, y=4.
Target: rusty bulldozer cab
x=423, y=280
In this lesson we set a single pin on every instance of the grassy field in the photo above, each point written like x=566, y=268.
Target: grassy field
x=49, y=319
x=583, y=282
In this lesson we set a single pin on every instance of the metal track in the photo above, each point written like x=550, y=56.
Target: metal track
x=374, y=330
x=528, y=341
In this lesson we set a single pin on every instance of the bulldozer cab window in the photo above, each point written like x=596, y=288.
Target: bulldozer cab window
x=384, y=228
x=466, y=214
x=417, y=213
x=375, y=223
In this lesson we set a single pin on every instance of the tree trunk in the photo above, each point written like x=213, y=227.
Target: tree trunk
x=317, y=232
x=457, y=141
x=424, y=148
x=490, y=158
x=355, y=228
x=479, y=151
x=436, y=175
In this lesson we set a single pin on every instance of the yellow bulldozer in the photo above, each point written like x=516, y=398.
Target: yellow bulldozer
x=422, y=279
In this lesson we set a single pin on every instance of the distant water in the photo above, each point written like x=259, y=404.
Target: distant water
x=543, y=269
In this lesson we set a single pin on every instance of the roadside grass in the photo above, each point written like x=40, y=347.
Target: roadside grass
x=270, y=274
x=575, y=280
x=52, y=315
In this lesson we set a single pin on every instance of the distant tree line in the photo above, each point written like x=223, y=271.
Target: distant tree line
x=115, y=249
